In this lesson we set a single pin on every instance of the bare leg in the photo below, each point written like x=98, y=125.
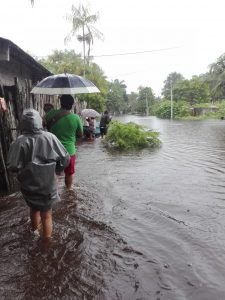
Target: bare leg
x=35, y=219
x=68, y=181
x=46, y=219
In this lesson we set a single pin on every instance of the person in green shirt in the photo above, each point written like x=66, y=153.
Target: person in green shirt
x=67, y=126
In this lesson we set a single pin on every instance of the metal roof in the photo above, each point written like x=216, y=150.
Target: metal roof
x=18, y=54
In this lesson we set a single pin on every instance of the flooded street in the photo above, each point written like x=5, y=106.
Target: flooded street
x=141, y=225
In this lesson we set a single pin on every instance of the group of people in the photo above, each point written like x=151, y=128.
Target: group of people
x=90, y=126
x=38, y=156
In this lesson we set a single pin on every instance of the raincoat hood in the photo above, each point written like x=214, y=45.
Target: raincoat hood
x=31, y=121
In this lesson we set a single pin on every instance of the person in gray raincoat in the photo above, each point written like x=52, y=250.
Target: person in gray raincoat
x=35, y=156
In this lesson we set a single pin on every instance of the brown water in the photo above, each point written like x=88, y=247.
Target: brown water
x=144, y=225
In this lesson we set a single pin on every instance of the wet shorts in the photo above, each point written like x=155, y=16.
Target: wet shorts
x=103, y=130
x=70, y=170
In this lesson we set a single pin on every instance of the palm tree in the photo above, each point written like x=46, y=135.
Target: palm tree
x=81, y=19
x=217, y=73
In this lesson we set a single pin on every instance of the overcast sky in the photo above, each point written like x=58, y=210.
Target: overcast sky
x=192, y=32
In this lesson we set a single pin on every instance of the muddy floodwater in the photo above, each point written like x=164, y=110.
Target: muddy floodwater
x=141, y=225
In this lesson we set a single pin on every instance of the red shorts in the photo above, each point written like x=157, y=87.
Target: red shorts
x=70, y=170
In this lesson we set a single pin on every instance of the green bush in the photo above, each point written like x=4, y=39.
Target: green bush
x=180, y=109
x=221, y=109
x=130, y=136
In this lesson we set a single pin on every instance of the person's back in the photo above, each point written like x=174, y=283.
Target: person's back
x=66, y=126
x=34, y=156
x=92, y=127
x=105, y=119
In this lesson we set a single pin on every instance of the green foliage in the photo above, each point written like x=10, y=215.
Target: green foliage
x=116, y=99
x=69, y=61
x=142, y=101
x=217, y=77
x=180, y=109
x=172, y=80
x=145, y=100
x=221, y=106
x=132, y=103
x=130, y=136
x=195, y=90
x=163, y=110
x=97, y=100
x=192, y=91
x=202, y=105
x=63, y=61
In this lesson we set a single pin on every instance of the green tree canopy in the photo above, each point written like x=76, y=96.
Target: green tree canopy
x=63, y=61
x=96, y=75
x=171, y=80
x=145, y=100
x=192, y=91
x=116, y=99
x=217, y=76
x=132, y=102
x=69, y=61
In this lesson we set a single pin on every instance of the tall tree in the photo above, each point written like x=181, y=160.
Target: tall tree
x=69, y=61
x=116, y=99
x=82, y=21
x=96, y=100
x=132, y=102
x=217, y=73
x=171, y=80
x=146, y=100
x=192, y=91
x=63, y=62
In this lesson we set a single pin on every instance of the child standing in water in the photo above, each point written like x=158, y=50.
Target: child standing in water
x=35, y=156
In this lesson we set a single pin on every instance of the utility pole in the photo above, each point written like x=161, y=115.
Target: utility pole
x=146, y=105
x=171, y=101
x=84, y=50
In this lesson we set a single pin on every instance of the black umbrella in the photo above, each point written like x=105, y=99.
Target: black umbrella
x=64, y=84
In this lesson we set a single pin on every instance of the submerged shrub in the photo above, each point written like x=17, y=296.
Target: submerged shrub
x=130, y=136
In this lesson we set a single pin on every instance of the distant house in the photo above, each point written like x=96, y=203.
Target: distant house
x=18, y=73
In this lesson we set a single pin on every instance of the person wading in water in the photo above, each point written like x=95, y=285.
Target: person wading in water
x=35, y=156
x=105, y=119
x=67, y=126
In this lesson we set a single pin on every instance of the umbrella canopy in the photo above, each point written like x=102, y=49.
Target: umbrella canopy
x=89, y=113
x=64, y=84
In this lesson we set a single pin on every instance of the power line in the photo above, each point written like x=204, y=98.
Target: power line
x=122, y=54
x=137, y=52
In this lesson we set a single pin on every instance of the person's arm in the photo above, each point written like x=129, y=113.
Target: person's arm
x=108, y=120
x=79, y=134
x=16, y=157
x=62, y=156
